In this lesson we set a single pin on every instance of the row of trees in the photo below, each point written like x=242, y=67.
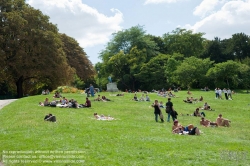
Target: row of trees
x=34, y=55
x=137, y=60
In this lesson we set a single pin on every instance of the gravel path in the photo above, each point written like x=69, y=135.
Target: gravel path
x=6, y=102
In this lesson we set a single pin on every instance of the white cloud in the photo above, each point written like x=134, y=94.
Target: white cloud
x=160, y=1
x=80, y=21
x=232, y=17
x=206, y=6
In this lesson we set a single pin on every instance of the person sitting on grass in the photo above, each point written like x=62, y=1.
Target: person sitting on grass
x=64, y=101
x=87, y=103
x=57, y=95
x=189, y=100
x=189, y=93
x=50, y=118
x=147, y=98
x=98, y=98
x=142, y=98
x=201, y=98
x=188, y=130
x=170, y=94
x=161, y=104
x=206, y=106
x=102, y=117
x=46, y=102
x=206, y=123
x=222, y=122
x=199, y=114
x=135, y=98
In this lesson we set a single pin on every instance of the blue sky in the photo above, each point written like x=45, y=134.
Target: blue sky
x=92, y=22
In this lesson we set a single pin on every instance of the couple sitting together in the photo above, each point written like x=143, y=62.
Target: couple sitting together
x=219, y=122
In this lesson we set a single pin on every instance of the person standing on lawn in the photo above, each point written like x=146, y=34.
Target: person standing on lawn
x=92, y=90
x=157, y=111
x=170, y=110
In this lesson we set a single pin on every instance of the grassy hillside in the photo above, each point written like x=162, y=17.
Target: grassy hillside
x=134, y=138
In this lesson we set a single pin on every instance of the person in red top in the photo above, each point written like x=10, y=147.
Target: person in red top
x=87, y=103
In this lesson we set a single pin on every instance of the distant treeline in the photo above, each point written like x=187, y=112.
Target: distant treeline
x=137, y=60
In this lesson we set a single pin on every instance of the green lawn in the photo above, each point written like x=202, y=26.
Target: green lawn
x=134, y=138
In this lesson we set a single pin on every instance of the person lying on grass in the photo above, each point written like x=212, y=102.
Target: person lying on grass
x=50, y=118
x=207, y=123
x=102, y=117
x=188, y=130
x=222, y=122
x=105, y=99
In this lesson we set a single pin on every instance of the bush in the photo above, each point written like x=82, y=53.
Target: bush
x=67, y=89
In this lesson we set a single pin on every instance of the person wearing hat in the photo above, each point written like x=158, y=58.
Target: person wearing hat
x=222, y=122
x=206, y=123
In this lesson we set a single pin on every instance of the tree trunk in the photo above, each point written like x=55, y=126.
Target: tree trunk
x=19, y=86
x=227, y=84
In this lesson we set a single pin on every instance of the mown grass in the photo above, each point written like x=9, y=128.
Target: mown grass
x=134, y=138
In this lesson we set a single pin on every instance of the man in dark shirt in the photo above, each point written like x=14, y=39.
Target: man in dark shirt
x=170, y=110
x=88, y=103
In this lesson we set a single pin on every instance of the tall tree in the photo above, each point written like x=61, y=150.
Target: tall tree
x=137, y=48
x=152, y=75
x=226, y=72
x=240, y=45
x=192, y=71
x=31, y=48
x=77, y=58
x=184, y=42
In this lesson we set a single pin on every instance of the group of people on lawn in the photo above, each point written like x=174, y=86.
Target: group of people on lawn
x=142, y=98
x=65, y=103
x=227, y=92
x=177, y=128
